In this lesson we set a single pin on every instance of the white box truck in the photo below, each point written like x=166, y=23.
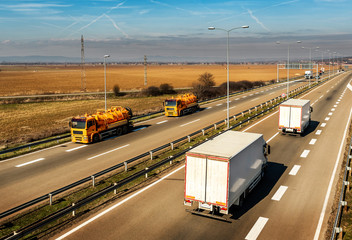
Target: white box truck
x=294, y=116
x=308, y=74
x=222, y=171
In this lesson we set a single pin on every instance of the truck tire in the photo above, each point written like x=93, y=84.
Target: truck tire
x=241, y=201
x=96, y=138
x=181, y=113
x=124, y=129
x=118, y=131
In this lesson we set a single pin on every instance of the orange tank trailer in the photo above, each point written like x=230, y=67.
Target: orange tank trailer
x=95, y=127
x=181, y=105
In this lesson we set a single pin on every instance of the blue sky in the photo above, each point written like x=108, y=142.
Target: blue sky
x=174, y=30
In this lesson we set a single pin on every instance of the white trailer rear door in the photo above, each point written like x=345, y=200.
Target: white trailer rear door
x=284, y=118
x=296, y=117
x=195, y=178
x=217, y=182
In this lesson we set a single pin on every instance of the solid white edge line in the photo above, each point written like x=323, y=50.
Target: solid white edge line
x=108, y=152
x=257, y=228
x=27, y=163
x=73, y=149
x=272, y=137
x=279, y=193
x=322, y=214
x=116, y=205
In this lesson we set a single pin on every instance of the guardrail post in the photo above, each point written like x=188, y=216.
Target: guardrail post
x=151, y=155
x=261, y=105
x=349, y=171
x=234, y=118
x=50, y=199
x=347, y=184
x=344, y=204
x=256, y=108
x=242, y=114
x=125, y=163
x=203, y=132
x=189, y=138
x=339, y=232
x=115, y=190
x=225, y=122
x=214, y=126
x=73, y=212
x=93, y=180
x=146, y=174
x=172, y=145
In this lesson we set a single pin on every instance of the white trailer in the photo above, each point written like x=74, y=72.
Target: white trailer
x=294, y=116
x=222, y=171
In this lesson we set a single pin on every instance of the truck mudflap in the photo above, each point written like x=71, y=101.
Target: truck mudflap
x=211, y=214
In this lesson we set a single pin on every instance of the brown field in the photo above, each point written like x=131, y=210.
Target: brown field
x=41, y=79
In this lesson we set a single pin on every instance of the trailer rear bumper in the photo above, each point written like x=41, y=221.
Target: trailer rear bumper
x=203, y=213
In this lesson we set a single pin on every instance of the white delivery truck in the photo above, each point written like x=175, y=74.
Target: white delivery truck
x=308, y=74
x=222, y=171
x=294, y=116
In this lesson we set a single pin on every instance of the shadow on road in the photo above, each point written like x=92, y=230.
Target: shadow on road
x=273, y=173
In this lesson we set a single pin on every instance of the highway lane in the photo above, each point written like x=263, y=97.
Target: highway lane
x=32, y=175
x=294, y=212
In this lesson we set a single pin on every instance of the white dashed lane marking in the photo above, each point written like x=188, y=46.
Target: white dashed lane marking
x=305, y=153
x=257, y=228
x=279, y=193
x=27, y=163
x=313, y=141
x=294, y=170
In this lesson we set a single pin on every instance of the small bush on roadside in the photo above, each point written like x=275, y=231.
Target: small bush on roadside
x=116, y=90
x=151, y=91
x=166, y=88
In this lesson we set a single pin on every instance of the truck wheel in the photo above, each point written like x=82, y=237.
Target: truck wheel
x=124, y=129
x=95, y=138
x=119, y=131
x=240, y=204
x=181, y=113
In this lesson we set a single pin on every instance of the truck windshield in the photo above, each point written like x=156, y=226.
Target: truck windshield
x=171, y=103
x=79, y=123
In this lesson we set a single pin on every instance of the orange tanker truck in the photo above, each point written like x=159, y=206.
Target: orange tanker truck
x=181, y=105
x=93, y=128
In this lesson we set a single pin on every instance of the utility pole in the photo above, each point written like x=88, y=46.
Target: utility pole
x=145, y=70
x=83, y=70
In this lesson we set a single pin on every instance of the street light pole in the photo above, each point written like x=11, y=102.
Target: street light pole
x=228, y=72
x=288, y=65
x=105, y=56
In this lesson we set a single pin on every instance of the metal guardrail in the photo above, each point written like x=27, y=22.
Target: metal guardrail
x=337, y=229
x=34, y=226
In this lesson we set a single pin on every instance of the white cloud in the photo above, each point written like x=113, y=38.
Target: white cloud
x=257, y=20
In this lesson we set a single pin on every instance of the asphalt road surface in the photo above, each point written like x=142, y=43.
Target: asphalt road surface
x=292, y=202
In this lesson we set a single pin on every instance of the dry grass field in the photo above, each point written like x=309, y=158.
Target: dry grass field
x=27, y=80
x=32, y=121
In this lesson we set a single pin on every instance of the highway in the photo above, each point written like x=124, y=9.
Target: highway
x=27, y=177
x=292, y=202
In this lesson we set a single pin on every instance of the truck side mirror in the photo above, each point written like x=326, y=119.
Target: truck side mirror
x=311, y=109
x=268, y=149
x=70, y=124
